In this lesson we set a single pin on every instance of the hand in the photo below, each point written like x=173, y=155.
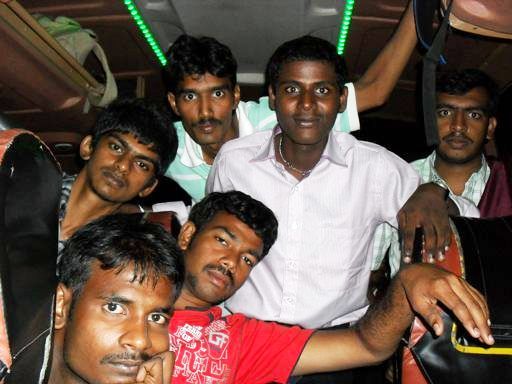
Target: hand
x=425, y=208
x=157, y=370
x=425, y=285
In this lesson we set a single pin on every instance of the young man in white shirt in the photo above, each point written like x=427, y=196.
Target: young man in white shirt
x=328, y=190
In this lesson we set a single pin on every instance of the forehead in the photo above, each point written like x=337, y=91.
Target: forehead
x=201, y=82
x=475, y=98
x=307, y=71
x=105, y=283
x=236, y=226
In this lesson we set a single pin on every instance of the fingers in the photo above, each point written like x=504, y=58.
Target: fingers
x=150, y=372
x=407, y=232
x=426, y=208
x=168, y=366
x=425, y=286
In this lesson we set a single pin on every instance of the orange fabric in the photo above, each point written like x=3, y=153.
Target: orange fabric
x=411, y=374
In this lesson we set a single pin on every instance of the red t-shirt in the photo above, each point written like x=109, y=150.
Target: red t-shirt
x=211, y=349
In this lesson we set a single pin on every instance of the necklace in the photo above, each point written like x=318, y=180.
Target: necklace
x=289, y=164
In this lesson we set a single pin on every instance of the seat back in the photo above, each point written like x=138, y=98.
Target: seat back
x=29, y=196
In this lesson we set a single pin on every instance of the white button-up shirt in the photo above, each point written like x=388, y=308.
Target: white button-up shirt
x=316, y=274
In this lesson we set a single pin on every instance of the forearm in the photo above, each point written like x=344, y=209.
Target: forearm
x=371, y=341
x=381, y=329
x=376, y=84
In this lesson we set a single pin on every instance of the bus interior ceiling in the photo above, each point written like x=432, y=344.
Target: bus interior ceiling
x=35, y=96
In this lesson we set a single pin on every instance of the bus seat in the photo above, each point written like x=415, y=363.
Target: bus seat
x=29, y=195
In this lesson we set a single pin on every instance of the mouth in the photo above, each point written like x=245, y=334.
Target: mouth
x=126, y=367
x=306, y=122
x=458, y=142
x=113, y=180
x=219, y=279
x=206, y=127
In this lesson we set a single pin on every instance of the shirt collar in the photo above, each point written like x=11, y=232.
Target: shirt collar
x=482, y=174
x=334, y=151
x=193, y=154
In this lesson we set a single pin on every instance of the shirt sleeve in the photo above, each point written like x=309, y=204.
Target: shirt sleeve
x=348, y=120
x=466, y=207
x=269, y=351
x=218, y=180
x=396, y=182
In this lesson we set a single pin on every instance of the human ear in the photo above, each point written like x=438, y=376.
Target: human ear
x=491, y=128
x=86, y=148
x=172, y=102
x=146, y=191
x=63, y=299
x=343, y=99
x=236, y=95
x=186, y=235
x=271, y=98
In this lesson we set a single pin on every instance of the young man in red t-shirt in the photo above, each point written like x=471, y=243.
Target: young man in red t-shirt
x=226, y=236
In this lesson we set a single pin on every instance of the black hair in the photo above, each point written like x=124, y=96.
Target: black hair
x=251, y=212
x=190, y=55
x=119, y=241
x=306, y=48
x=150, y=124
x=462, y=81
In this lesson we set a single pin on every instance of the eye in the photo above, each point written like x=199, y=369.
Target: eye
x=221, y=240
x=247, y=260
x=443, y=112
x=143, y=165
x=474, y=115
x=115, y=147
x=115, y=308
x=158, y=318
x=218, y=93
x=189, y=96
x=291, y=89
x=322, y=90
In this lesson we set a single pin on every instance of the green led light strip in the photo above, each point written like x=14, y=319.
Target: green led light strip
x=345, y=25
x=144, y=28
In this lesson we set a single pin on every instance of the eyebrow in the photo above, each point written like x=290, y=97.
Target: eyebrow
x=222, y=87
x=451, y=106
x=123, y=300
x=137, y=154
x=234, y=237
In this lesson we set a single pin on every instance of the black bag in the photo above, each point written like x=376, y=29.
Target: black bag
x=485, y=256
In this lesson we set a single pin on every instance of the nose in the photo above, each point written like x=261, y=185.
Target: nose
x=306, y=100
x=205, y=108
x=122, y=164
x=229, y=262
x=458, y=121
x=136, y=336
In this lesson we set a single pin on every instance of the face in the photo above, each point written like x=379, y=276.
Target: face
x=218, y=259
x=306, y=100
x=115, y=324
x=463, y=125
x=205, y=104
x=119, y=168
